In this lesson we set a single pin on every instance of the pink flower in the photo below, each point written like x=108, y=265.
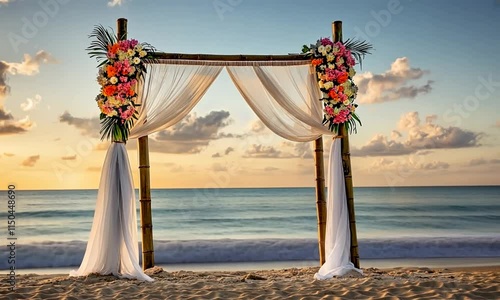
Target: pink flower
x=326, y=41
x=350, y=59
x=123, y=78
x=330, y=74
x=127, y=114
x=329, y=110
x=341, y=48
x=133, y=43
x=341, y=117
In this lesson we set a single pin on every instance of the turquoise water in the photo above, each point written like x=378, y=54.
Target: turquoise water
x=217, y=225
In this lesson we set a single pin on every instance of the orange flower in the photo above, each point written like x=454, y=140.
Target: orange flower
x=111, y=71
x=109, y=90
x=332, y=94
x=341, y=89
x=130, y=92
x=113, y=49
x=317, y=61
x=342, y=77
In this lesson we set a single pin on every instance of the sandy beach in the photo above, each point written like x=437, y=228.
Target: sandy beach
x=396, y=283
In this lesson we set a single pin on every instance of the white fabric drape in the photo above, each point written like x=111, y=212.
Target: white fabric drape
x=285, y=98
x=113, y=247
x=169, y=93
x=338, y=237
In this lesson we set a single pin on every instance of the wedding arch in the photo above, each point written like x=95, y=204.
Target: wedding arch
x=283, y=92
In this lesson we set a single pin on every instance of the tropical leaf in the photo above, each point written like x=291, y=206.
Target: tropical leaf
x=358, y=49
x=99, y=46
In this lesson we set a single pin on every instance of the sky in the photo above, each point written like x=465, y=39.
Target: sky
x=429, y=92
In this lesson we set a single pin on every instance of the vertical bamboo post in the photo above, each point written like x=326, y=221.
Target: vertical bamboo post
x=145, y=188
x=346, y=163
x=320, y=197
x=148, y=255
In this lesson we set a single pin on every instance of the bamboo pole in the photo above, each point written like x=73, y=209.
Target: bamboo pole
x=148, y=255
x=144, y=188
x=231, y=57
x=320, y=197
x=346, y=163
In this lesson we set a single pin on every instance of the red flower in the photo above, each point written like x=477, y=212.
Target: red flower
x=109, y=90
x=342, y=77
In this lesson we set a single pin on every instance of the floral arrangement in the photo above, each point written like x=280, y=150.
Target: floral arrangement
x=122, y=65
x=334, y=64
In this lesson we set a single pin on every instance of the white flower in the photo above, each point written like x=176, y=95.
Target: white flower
x=138, y=48
x=112, y=113
x=330, y=57
x=328, y=48
x=336, y=49
x=122, y=55
x=328, y=85
x=143, y=53
x=136, y=60
x=346, y=102
x=322, y=67
x=131, y=52
x=321, y=84
x=113, y=80
x=340, y=61
x=321, y=49
x=331, y=66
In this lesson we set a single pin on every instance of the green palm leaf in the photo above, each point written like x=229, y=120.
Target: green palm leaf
x=358, y=49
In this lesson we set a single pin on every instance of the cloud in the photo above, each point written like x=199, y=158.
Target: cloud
x=407, y=165
x=113, y=3
x=435, y=165
x=257, y=126
x=10, y=126
x=8, y=154
x=392, y=84
x=30, y=161
x=303, y=150
x=192, y=134
x=228, y=150
x=482, y=161
x=31, y=65
x=70, y=157
x=286, y=150
x=30, y=103
x=4, y=88
x=418, y=137
x=87, y=126
x=261, y=151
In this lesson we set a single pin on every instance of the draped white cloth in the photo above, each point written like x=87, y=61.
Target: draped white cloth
x=338, y=237
x=112, y=247
x=283, y=95
x=285, y=98
x=169, y=93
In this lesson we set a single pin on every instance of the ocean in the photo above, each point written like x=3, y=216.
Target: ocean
x=264, y=224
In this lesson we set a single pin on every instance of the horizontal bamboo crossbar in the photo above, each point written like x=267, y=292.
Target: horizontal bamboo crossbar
x=230, y=57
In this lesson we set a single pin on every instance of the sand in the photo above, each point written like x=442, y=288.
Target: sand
x=396, y=283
